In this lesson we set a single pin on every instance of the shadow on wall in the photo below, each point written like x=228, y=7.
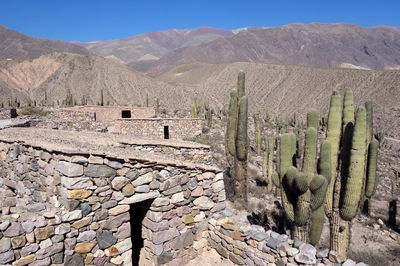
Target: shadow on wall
x=137, y=213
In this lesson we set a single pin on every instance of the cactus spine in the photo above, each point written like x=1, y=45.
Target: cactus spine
x=236, y=138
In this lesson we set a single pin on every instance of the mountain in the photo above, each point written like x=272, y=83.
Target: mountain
x=83, y=75
x=315, y=44
x=141, y=49
x=14, y=45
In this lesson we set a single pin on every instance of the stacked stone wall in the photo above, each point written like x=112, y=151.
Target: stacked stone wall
x=73, y=209
x=179, y=128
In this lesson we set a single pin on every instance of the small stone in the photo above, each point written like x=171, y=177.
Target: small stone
x=4, y=225
x=79, y=194
x=62, y=229
x=118, y=210
x=105, y=239
x=140, y=197
x=49, y=251
x=205, y=176
x=86, y=236
x=119, y=248
x=82, y=222
x=158, y=202
x=128, y=190
x=79, y=159
x=218, y=186
x=84, y=247
x=29, y=249
x=28, y=226
x=187, y=219
x=95, y=160
x=5, y=244
x=142, y=189
x=163, y=236
x=73, y=215
x=144, y=179
x=75, y=259
x=24, y=260
x=178, y=197
x=124, y=231
x=204, y=203
x=14, y=229
x=76, y=182
x=44, y=232
x=113, y=164
x=103, y=171
x=69, y=169
x=6, y=257
x=197, y=192
x=119, y=182
x=45, y=243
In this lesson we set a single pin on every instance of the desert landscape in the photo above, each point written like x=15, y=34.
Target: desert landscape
x=202, y=146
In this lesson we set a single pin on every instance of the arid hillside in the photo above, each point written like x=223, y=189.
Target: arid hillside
x=283, y=90
x=315, y=44
x=15, y=45
x=86, y=76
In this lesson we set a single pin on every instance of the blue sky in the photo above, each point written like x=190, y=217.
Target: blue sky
x=86, y=20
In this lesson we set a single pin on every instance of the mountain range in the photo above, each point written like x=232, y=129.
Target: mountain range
x=316, y=44
x=288, y=69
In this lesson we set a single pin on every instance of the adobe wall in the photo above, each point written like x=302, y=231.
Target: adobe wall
x=60, y=206
x=179, y=128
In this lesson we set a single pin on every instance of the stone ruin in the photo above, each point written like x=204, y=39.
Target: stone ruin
x=75, y=198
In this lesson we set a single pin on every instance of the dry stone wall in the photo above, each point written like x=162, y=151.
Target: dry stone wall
x=179, y=128
x=74, y=209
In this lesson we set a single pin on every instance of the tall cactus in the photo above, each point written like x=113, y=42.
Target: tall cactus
x=268, y=164
x=237, y=139
x=257, y=132
x=349, y=164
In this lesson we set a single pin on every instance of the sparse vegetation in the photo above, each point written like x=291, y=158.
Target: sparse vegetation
x=31, y=110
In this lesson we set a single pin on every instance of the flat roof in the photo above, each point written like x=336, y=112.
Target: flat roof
x=100, y=144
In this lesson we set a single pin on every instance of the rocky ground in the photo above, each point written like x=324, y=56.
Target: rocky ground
x=373, y=240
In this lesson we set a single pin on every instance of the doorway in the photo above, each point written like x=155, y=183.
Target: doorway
x=137, y=213
x=166, y=132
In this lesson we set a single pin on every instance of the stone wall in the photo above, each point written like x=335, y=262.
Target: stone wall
x=74, y=208
x=179, y=128
x=103, y=113
x=4, y=113
x=252, y=245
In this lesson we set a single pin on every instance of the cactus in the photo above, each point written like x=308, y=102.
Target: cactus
x=257, y=132
x=236, y=138
x=350, y=138
x=208, y=115
x=303, y=192
x=268, y=165
x=195, y=108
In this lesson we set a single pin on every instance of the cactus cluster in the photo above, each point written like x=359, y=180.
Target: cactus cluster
x=303, y=191
x=236, y=138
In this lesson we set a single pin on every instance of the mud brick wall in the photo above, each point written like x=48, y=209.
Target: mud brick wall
x=179, y=128
x=78, y=209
